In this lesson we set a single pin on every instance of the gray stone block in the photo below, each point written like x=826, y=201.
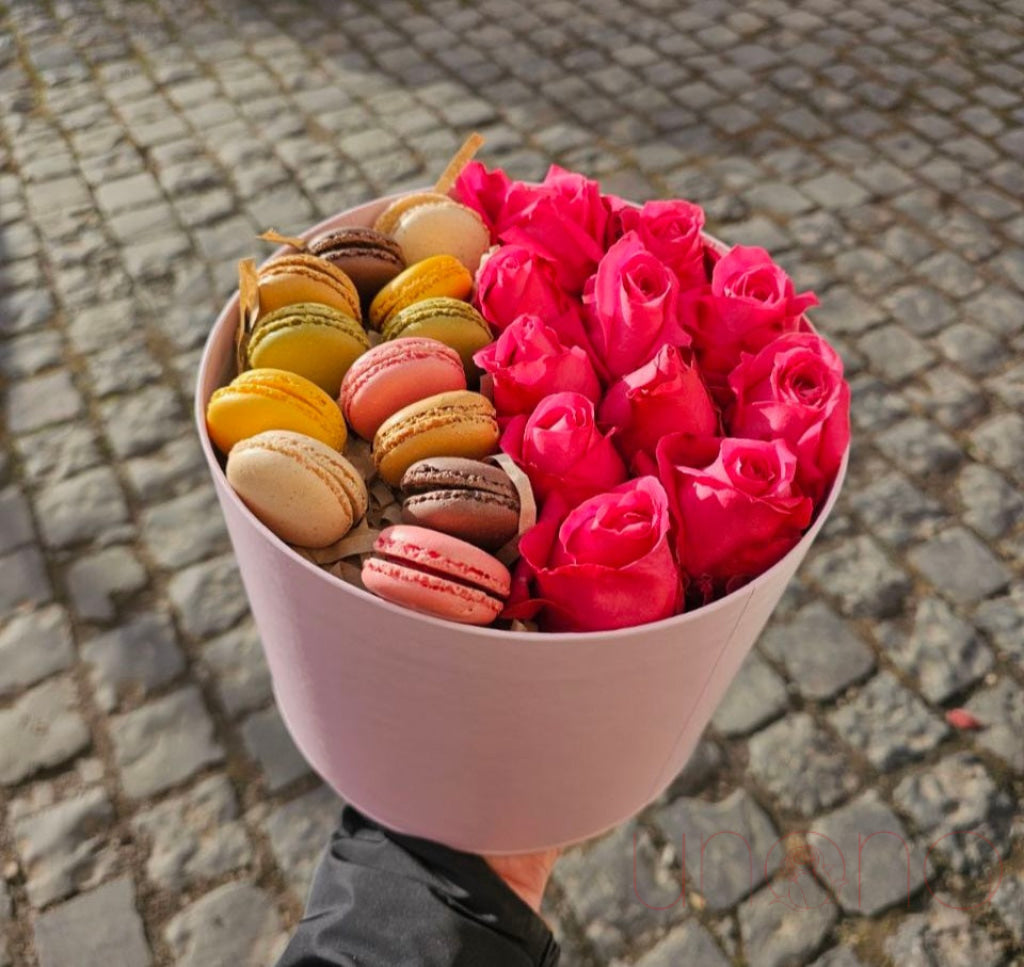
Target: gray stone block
x=688, y=944
x=959, y=565
x=186, y=529
x=194, y=837
x=268, y=742
x=33, y=645
x=299, y=833
x=728, y=845
x=66, y=848
x=142, y=421
x=615, y=910
x=943, y=936
x=164, y=742
x=96, y=929
x=1003, y=619
x=208, y=597
x=42, y=400
x=821, y=653
x=78, y=508
x=785, y=923
x=41, y=729
x=756, y=696
x=236, y=924
x=132, y=659
x=801, y=765
x=96, y=582
x=15, y=520
x=1001, y=711
x=58, y=452
x=862, y=578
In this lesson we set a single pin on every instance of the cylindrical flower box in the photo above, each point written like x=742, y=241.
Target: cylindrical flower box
x=484, y=739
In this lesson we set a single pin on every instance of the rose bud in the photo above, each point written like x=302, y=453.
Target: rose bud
x=513, y=281
x=671, y=231
x=793, y=390
x=666, y=395
x=563, y=219
x=630, y=308
x=736, y=507
x=528, y=361
x=559, y=447
x=608, y=564
x=484, y=191
x=750, y=301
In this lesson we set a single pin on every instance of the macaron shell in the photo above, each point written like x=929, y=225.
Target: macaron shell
x=306, y=278
x=439, y=275
x=394, y=374
x=455, y=323
x=457, y=473
x=272, y=399
x=315, y=341
x=480, y=518
x=388, y=219
x=443, y=227
x=428, y=593
x=369, y=258
x=449, y=424
x=302, y=490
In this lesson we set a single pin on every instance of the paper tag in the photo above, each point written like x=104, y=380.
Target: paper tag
x=461, y=158
x=248, y=310
x=509, y=552
x=294, y=241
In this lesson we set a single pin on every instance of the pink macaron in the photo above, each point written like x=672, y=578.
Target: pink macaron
x=394, y=374
x=437, y=574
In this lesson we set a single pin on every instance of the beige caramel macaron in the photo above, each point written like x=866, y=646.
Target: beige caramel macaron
x=454, y=424
x=305, y=492
x=302, y=277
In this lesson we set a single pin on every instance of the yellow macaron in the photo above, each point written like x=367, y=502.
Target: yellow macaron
x=451, y=321
x=308, y=338
x=454, y=424
x=272, y=399
x=439, y=275
x=306, y=278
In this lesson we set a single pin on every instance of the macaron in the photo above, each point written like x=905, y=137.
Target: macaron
x=303, y=490
x=451, y=321
x=393, y=375
x=306, y=278
x=369, y=258
x=272, y=399
x=436, y=574
x=469, y=499
x=456, y=424
x=439, y=275
x=314, y=340
x=429, y=223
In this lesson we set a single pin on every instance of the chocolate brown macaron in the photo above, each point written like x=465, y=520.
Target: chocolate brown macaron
x=369, y=258
x=469, y=499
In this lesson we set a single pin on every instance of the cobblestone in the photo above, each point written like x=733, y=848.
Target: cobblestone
x=194, y=837
x=33, y=645
x=888, y=723
x=1001, y=710
x=269, y=743
x=81, y=507
x=727, y=845
x=958, y=564
x=944, y=936
x=128, y=662
x=97, y=581
x=95, y=929
x=163, y=742
x=688, y=944
x=209, y=596
x=64, y=849
x=41, y=729
x=785, y=923
x=756, y=696
x=861, y=577
x=299, y=832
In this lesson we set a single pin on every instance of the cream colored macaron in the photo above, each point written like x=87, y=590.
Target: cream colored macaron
x=305, y=492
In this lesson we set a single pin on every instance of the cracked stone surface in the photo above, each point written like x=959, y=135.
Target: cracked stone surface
x=873, y=148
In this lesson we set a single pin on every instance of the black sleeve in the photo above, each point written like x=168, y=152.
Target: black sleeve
x=379, y=899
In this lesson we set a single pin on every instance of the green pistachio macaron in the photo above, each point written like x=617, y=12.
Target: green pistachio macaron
x=451, y=321
x=316, y=341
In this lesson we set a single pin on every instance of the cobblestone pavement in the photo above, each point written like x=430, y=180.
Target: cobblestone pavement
x=152, y=809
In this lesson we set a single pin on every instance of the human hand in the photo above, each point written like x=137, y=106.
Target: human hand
x=527, y=874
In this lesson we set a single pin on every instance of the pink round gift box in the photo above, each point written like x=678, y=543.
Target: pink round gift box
x=487, y=740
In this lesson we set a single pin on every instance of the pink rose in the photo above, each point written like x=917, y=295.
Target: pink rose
x=735, y=504
x=563, y=219
x=666, y=395
x=793, y=390
x=528, y=362
x=750, y=301
x=608, y=564
x=670, y=230
x=484, y=191
x=513, y=281
x=560, y=448
x=630, y=308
